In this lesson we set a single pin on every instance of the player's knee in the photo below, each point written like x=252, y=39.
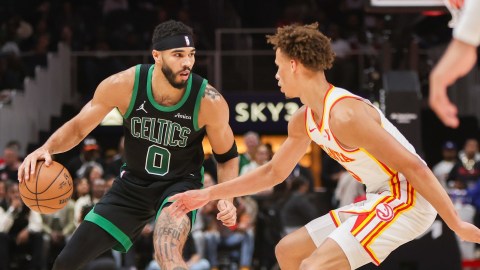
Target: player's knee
x=306, y=265
x=281, y=249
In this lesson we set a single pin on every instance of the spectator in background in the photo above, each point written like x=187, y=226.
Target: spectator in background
x=20, y=233
x=90, y=155
x=302, y=171
x=261, y=156
x=3, y=195
x=331, y=172
x=57, y=228
x=86, y=202
x=470, y=146
x=251, y=140
x=348, y=190
x=117, y=161
x=92, y=172
x=82, y=188
x=239, y=236
x=11, y=157
x=443, y=168
x=298, y=210
x=466, y=172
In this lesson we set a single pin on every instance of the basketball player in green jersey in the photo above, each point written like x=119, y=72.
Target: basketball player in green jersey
x=167, y=110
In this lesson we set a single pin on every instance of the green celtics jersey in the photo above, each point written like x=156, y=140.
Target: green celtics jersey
x=163, y=143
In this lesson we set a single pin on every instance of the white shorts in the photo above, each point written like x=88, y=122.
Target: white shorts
x=370, y=230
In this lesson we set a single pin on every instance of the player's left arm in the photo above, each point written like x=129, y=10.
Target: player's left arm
x=357, y=125
x=214, y=115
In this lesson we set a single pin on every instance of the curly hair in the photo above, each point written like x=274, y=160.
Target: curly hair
x=304, y=43
x=170, y=28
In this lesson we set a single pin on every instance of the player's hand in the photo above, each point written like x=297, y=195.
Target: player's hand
x=227, y=213
x=188, y=201
x=457, y=61
x=29, y=164
x=468, y=232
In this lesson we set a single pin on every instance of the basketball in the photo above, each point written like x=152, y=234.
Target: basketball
x=48, y=189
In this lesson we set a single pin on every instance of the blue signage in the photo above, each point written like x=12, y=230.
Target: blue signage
x=265, y=113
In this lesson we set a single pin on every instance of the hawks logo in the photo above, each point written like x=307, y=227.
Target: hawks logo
x=384, y=212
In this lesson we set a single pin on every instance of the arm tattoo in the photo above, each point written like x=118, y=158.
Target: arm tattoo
x=211, y=92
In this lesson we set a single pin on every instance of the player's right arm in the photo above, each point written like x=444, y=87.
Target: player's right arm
x=457, y=61
x=265, y=176
x=114, y=91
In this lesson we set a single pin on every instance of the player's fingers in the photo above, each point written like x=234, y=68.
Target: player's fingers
x=33, y=166
x=48, y=159
x=448, y=115
x=20, y=173
x=444, y=109
x=174, y=198
x=230, y=222
x=26, y=170
x=224, y=216
x=175, y=209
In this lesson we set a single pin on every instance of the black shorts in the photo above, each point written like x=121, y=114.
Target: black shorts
x=127, y=207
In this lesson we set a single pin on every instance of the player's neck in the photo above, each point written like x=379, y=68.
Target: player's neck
x=315, y=89
x=163, y=92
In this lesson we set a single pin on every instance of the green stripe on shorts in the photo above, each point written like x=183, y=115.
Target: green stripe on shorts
x=124, y=241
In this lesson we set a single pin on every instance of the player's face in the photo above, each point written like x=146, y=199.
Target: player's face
x=284, y=73
x=177, y=65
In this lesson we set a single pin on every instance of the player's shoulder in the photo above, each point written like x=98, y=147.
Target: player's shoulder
x=213, y=107
x=212, y=99
x=211, y=94
x=123, y=79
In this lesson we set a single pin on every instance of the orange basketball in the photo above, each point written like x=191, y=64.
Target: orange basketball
x=48, y=189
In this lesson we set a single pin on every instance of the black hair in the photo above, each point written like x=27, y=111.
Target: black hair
x=170, y=28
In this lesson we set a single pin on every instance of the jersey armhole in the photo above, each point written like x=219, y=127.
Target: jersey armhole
x=331, y=132
x=197, y=104
x=134, y=92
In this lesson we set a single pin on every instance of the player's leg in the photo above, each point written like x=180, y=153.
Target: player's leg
x=87, y=242
x=290, y=258
x=169, y=237
x=305, y=240
x=329, y=256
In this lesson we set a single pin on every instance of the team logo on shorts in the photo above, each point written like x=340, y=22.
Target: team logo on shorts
x=384, y=212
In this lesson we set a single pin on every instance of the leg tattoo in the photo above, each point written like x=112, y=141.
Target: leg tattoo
x=169, y=238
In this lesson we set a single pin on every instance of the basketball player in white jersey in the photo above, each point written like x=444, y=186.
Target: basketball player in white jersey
x=402, y=192
x=458, y=59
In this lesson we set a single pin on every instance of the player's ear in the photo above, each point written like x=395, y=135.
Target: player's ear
x=293, y=65
x=156, y=55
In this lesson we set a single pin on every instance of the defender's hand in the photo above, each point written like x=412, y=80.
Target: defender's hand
x=468, y=232
x=188, y=201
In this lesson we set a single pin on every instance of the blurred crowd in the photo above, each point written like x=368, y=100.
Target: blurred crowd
x=30, y=29
x=30, y=240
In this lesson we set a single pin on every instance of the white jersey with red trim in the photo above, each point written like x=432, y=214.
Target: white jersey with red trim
x=363, y=166
x=392, y=214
